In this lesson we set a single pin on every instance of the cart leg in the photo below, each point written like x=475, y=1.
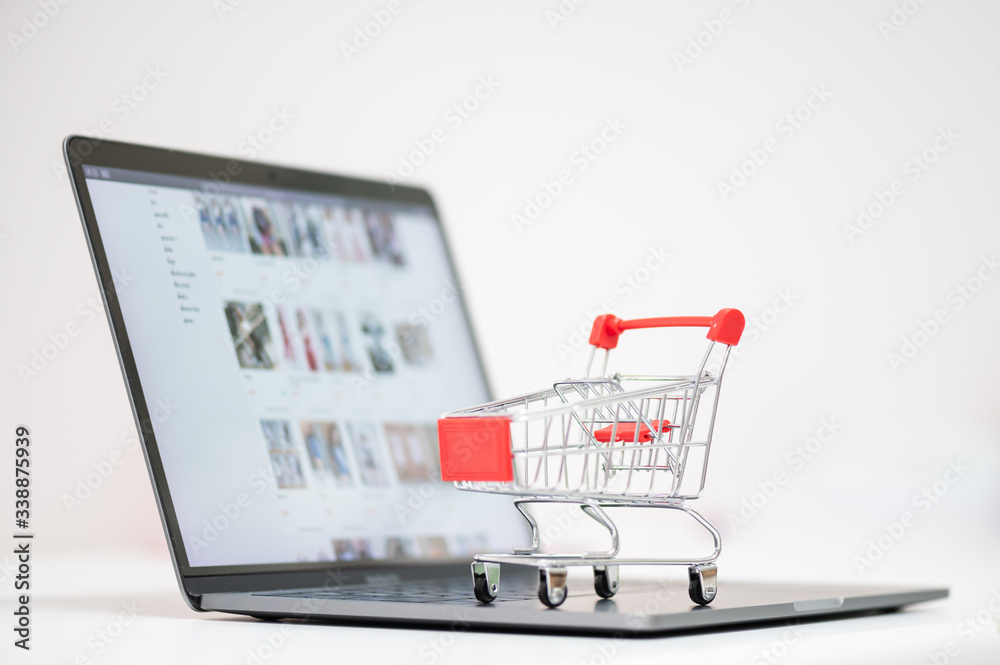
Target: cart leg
x=485, y=580
x=599, y=516
x=702, y=586
x=535, y=541
x=606, y=580
x=552, y=586
x=708, y=526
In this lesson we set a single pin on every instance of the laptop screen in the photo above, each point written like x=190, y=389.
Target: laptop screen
x=295, y=350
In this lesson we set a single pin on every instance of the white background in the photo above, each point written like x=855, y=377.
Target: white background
x=224, y=73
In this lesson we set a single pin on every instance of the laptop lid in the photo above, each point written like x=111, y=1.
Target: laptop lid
x=288, y=340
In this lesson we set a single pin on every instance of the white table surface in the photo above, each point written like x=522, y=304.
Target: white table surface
x=83, y=613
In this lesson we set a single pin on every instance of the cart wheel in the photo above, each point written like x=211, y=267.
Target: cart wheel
x=485, y=581
x=606, y=580
x=702, y=587
x=552, y=586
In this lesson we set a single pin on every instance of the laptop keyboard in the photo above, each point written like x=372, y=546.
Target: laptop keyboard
x=418, y=591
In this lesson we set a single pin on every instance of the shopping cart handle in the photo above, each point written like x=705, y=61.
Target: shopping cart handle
x=725, y=327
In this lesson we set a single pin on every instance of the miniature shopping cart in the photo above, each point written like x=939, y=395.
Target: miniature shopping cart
x=597, y=442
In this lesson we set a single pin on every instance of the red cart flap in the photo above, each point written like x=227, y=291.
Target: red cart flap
x=475, y=449
x=625, y=432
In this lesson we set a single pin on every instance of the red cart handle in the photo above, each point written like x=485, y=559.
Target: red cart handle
x=725, y=327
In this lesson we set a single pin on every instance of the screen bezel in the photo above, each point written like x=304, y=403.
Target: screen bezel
x=80, y=150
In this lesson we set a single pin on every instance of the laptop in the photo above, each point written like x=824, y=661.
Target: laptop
x=288, y=340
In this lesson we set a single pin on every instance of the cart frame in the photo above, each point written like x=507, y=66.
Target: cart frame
x=610, y=436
